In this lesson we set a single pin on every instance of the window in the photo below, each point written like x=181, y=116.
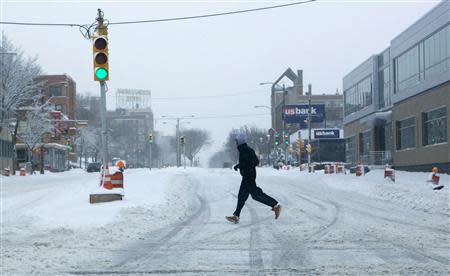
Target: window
x=358, y=96
x=55, y=91
x=350, y=150
x=58, y=107
x=364, y=142
x=435, y=126
x=429, y=57
x=384, y=58
x=407, y=69
x=406, y=133
x=437, y=52
x=385, y=88
x=6, y=149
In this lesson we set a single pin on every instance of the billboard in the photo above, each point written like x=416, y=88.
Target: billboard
x=326, y=133
x=297, y=114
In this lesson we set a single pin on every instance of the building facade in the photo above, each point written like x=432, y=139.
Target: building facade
x=56, y=148
x=396, y=102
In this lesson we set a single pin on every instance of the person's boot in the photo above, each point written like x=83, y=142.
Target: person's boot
x=277, y=210
x=233, y=219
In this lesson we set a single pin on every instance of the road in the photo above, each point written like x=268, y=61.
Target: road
x=321, y=231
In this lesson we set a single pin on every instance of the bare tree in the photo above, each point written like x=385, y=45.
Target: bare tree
x=88, y=142
x=256, y=138
x=17, y=80
x=17, y=87
x=37, y=124
x=196, y=139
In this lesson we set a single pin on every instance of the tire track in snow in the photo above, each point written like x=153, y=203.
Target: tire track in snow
x=256, y=261
x=413, y=253
x=255, y=257
x=141, y=251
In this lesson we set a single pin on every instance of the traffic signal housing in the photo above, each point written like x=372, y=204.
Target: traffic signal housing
x=182, y=140
x=286, y=140
x=150, y=138
x=101, y=59
x=299, y=145
x=276, y=140
x=308, y=148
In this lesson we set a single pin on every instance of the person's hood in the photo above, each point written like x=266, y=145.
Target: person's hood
x=242, y=146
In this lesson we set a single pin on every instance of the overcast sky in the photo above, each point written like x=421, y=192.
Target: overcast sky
x=213, y=56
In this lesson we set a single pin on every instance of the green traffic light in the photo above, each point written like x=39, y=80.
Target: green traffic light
x=101, y=73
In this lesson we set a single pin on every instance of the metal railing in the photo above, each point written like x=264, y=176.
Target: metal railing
x=376, y=158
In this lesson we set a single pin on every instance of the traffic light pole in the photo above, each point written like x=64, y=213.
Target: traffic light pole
x=150, y=156
x=103, y=119
x=309, y=125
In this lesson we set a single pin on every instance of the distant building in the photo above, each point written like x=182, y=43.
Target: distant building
x=128, y=139
x=295, y=95
x=397, y=102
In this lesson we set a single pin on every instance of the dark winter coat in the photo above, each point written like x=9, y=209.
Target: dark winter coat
x=247, y=161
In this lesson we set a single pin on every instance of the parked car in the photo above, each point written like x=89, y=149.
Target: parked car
x=94, y=167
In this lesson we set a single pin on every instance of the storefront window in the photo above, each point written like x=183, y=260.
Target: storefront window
x=435, y=126
x=350, y=150
x=406, y=133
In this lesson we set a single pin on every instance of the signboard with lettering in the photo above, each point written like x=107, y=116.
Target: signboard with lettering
x=298, y=114
x=326, y=133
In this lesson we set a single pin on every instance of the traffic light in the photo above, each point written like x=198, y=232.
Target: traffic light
x=308, y=148
x=182, y=140
x=299, y=145
x=286, y=140
x=277, y=137
x=69, y=145
x=101, y=59
x=150, y=138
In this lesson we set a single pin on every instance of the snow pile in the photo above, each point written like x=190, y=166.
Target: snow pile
x=410, y=189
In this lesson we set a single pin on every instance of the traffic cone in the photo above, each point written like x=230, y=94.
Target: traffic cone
x=107, y=184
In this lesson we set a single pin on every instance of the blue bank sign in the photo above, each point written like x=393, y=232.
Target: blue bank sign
x=297, y=114
x=326, y=133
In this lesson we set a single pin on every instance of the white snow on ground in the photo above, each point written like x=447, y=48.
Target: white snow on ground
x=410, y=189
x=171, y=221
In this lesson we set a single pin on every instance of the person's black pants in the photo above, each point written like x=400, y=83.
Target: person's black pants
x=248, y=186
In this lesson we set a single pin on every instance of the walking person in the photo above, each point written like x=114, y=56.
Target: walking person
x=246, y=166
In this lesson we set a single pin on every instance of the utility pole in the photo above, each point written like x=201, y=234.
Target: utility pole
x=309, y=125
x=177, y=137
x=283, y=124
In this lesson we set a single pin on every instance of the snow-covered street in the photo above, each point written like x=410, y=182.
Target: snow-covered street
x=171, y=221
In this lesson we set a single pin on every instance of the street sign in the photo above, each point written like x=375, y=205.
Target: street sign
x=326, y=133
x=298, y=114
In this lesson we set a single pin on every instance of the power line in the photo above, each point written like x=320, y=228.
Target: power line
x=229, y=116
x=158, y=20
x=205, y=97
x=210, y=15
